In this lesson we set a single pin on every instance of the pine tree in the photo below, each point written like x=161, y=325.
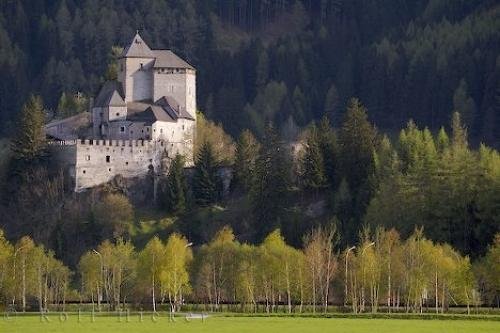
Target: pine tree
x=272, y=179
x=342, y=208
x=313, y=176
x=459, y=132
x=206, y=180
x=247, y=149
x=331, y=104
x=442, y=141
x=329, y=151
x=176, y=186
x=65, y=33
x=357, y=145
x=464, y=104
x=299, y=106
x=29, y=142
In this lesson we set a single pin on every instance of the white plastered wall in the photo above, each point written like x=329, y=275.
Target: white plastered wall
x=137, y=80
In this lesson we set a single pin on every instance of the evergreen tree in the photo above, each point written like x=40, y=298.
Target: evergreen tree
x=357, y=145
x=459, y=132
x=442, y=141
x=247, y=149
x=29, y=142
x=272, y=179
x=332, y=105
x=329, y=151
x=313, y=176
x=464, y=104
x=299, y=106
x=65, y=33
x=342, y=208
x=205, y=179
x=176, y=188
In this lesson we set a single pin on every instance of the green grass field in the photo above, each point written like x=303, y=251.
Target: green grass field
x=33, y=323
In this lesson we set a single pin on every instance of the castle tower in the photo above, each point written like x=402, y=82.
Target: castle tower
x=135, y=70
x=175, y=78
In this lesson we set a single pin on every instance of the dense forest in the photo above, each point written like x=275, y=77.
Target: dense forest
x=343, y=123
x=286, y=61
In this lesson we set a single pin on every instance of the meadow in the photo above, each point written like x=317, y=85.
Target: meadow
x=222, y=324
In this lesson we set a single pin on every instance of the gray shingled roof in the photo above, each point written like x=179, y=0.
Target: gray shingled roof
x=168, y=59
x=111, y=94
x=148, y=113
x=163, y=58
x=138, y=49
x=161, y=110
x=172, y=107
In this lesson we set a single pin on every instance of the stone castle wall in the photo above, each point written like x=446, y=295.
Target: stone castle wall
x=94, y=162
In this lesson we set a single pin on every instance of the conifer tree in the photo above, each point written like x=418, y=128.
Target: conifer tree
x=176, y=186
x=247, y=149
x=313, y=176
x=464, y=104
x=342, y=207
x=205, y=180
x=29, y=142
x=459, y=132
x=329, y=151
x=442, y=141
x=331, y=104
x=271, y=184
x=357, y=145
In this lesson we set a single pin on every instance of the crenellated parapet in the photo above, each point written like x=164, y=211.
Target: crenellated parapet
x=118, y=143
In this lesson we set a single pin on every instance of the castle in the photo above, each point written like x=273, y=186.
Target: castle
x=135, y=125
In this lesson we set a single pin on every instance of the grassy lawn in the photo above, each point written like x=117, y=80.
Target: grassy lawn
x=33, y=323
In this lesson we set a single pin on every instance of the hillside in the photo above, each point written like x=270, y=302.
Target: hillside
x=289, y=62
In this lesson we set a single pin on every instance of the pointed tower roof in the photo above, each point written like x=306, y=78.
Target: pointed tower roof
x=137, y=49
x=111, y=94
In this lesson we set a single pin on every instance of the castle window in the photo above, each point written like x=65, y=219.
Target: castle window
x=147, y=129
x=108, y=159
x=161, y=130
x=84, y=171
x=118, y=114
x=126, y=163
x=122, y=129
x=109, y=169
x=183, y=127
x=87, y=158
x=142, y=65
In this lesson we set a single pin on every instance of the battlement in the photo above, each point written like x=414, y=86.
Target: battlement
x=119, y=143
x=57, y=143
